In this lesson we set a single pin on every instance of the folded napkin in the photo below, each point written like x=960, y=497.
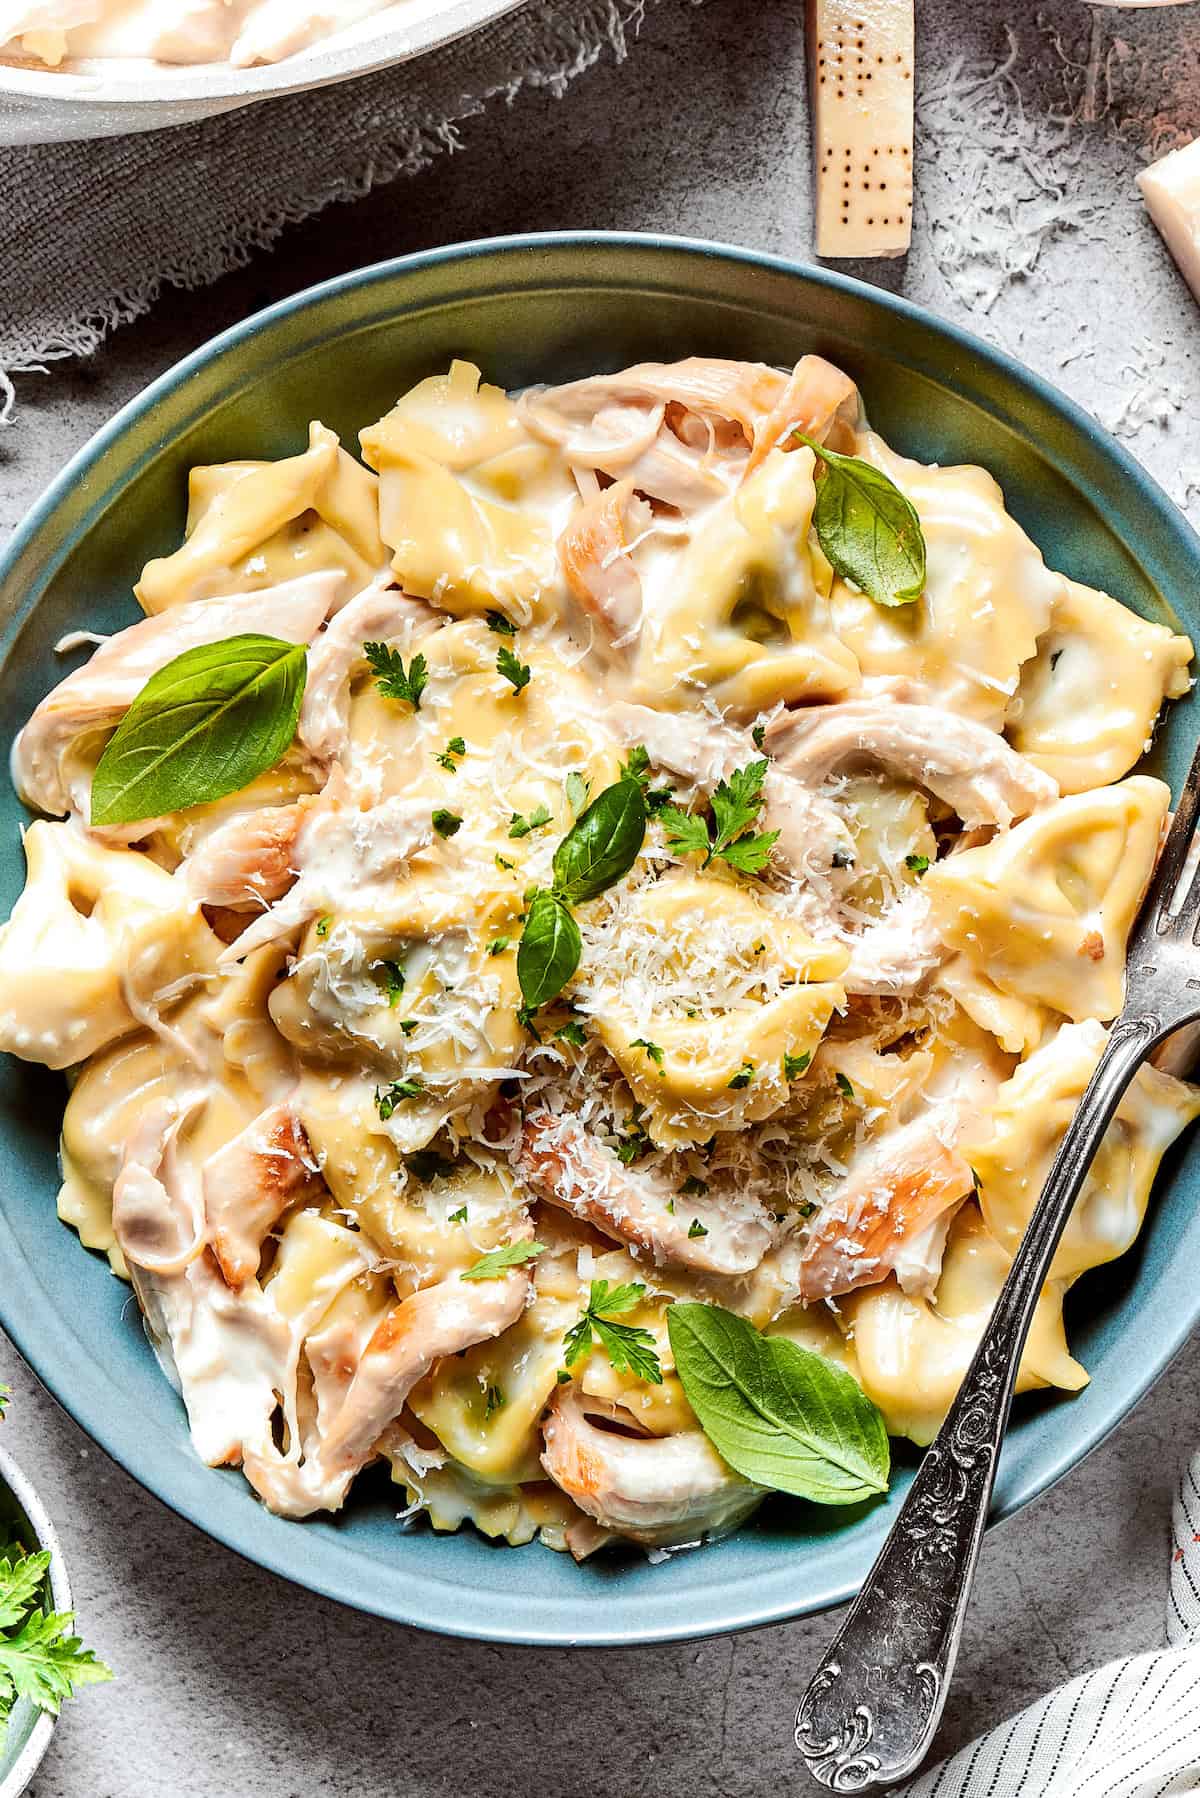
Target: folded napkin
x=1128, y=1730
x=93, y=231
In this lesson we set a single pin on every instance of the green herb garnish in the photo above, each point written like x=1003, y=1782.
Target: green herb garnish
x=780, y=1415
x=388, y=1097
x=392, y=678
x=205, y=725
x=498, y=1261
x=736, y=804
x=868, y=530
x=630, y=1348
x=516, y=672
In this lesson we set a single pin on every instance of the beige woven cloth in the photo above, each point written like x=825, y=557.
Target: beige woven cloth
x=92, y=232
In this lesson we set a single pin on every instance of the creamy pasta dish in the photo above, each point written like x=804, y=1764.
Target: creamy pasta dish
x=574, y=940
x=245, y=33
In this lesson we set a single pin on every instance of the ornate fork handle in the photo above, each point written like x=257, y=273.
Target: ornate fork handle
x=870, y=1714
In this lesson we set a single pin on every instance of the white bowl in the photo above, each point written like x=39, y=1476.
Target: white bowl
x=110, y=96
x=29, y=1735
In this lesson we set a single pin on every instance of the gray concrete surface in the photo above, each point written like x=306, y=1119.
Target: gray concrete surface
x=233, y=1683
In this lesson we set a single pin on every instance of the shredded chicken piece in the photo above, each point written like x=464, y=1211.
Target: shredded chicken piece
x=563, y=1163
x=901, y=1187
x=439, y=1320
x=706, y=751
x=966, y=764
x=97, y=695
x=158, y=1211
x=819, y=400
x=656, y=1490
x=247, y=863
x=594, y=552
x=341, y=856
x=250, y=1183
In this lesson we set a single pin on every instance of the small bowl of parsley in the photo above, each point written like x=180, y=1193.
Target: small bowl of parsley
x=41, y=1659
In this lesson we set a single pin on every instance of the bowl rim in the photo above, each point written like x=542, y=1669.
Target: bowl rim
x=21, y=1487
x=137, y=86
x=741, y=1610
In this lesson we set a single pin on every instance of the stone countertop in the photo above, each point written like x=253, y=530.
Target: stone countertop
x=1028, y=229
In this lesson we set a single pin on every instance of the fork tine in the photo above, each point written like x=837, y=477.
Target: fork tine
x=1161, y=891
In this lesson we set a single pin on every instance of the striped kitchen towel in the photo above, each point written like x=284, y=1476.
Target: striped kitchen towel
x=1128, y=1730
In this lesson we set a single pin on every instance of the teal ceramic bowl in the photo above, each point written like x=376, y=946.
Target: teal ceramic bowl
x=530, y=309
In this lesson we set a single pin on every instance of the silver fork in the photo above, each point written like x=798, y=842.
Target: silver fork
x=870, y=1714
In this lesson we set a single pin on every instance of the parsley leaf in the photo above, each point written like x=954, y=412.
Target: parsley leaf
x=844, y=1085
x=736, y=803
x=515, y=671
x=750, y=854
x=696, y=1228
x=498, y=945
x=794, y=1065
x=521, y=827
x=685, y=832
x=630, y=1348
x=39, y=1659
x=445, y=757
x=388, y=1097
x=693, y=1188
x=446, y=823
x=638, y=768
x=653, y=1050
x=758, y=734
x=393, y=975
x=498, y=1261
x=571, y=1032
x=503, y=627
x=426, y=1165
x=323, y=926
x=392, y=678
x=742, y=1078
x=459, y=1216
x=502, y=861
x=917, y=864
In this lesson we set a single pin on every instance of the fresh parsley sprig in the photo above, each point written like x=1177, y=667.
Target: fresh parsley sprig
x=629, y=1347
x=499, y=1261
x=514, y=670
x=736, y=804
x=393, y=679
x=638, y=768
x=40, y=1659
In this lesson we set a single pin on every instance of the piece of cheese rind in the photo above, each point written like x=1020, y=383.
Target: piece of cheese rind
x=1171, y=190
x=861, y=76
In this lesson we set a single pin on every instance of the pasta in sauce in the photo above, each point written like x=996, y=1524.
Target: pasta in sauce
x=818, y=1085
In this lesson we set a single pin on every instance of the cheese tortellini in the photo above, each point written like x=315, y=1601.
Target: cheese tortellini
x=640, y=914
x=1044, y=911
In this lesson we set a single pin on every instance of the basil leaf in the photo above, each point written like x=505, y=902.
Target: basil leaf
x=603, y=843
x=550, y=949
x=867, y=528
x=210, y=722
x=779, y=1414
